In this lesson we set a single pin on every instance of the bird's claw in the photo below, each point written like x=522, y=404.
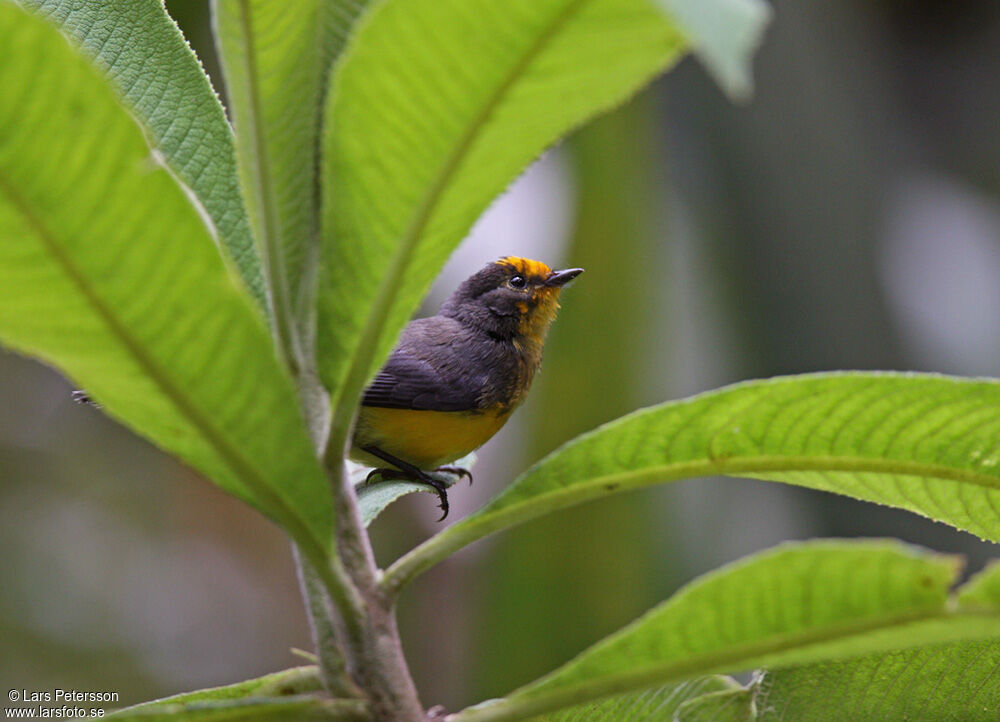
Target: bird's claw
x=442, y=491
x=419, y=476
x=456, y=471
x=82, y=397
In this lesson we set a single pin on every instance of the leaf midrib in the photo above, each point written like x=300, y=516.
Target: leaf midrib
x=357, y=373
x=485, y=522
x=515, y=707
x=229, y=453
x=754, y=464
x=272, y=247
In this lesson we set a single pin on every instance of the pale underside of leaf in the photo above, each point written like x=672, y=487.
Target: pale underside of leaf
x=161, y=80
x=375, y=495
x=724, y=36
x=112, y=276
x=276, y=57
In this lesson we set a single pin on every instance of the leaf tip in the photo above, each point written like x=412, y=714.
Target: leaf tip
x=724, y=34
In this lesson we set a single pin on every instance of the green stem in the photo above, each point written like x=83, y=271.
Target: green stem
x=375, y=655
x=320, y=616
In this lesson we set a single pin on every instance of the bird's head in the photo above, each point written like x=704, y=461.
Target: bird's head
x=510, y=298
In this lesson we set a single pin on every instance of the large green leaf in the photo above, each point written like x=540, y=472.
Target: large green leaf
x=162, y=81
x=924, y=443
x=276, y=57
x=110, y=274
x=943, y=683
x=797, y=604
x=435, y=107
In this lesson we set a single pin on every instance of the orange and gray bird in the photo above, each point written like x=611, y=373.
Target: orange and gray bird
x=454, y=379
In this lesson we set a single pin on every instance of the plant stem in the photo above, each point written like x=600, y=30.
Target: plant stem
x=353, y=623
x=375, y=656
x=334, y=608
x=374, y=653
x=332, y=665
x=383, y=672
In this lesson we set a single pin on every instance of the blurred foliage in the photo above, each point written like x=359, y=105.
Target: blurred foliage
x=772, y=258
x=560, y=582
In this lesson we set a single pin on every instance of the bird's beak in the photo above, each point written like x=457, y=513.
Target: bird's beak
x=561, y=278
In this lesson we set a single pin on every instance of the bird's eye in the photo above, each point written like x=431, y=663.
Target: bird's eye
x=518, y=282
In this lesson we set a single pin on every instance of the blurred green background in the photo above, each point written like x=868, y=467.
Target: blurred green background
x=847, y=217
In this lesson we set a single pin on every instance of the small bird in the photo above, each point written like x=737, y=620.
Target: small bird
x=454, y=379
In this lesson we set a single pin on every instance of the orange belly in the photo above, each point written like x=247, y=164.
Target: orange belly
x=426, y=439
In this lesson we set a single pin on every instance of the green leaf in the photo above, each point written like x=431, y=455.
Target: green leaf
x=919, y=442
x=650, y=705
x=434, y=109
x=941, y=683
x=291, y=694
x=109, y=273
x=288, y=682
x=276, y=56
x=376, y=495
x=288, y=709
x=983, y=590
x=724, y=35
x=797, y=604
x=157, y=73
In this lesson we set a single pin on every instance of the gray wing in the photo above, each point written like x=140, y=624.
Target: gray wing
x=429, y=369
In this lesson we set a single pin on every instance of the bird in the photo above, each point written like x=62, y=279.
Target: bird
x=454, y=379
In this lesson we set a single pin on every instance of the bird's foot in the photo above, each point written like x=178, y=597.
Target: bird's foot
x=456, y=471
x=442, y=491
x=418, y=476
x=82, y=397
x=370, y=479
